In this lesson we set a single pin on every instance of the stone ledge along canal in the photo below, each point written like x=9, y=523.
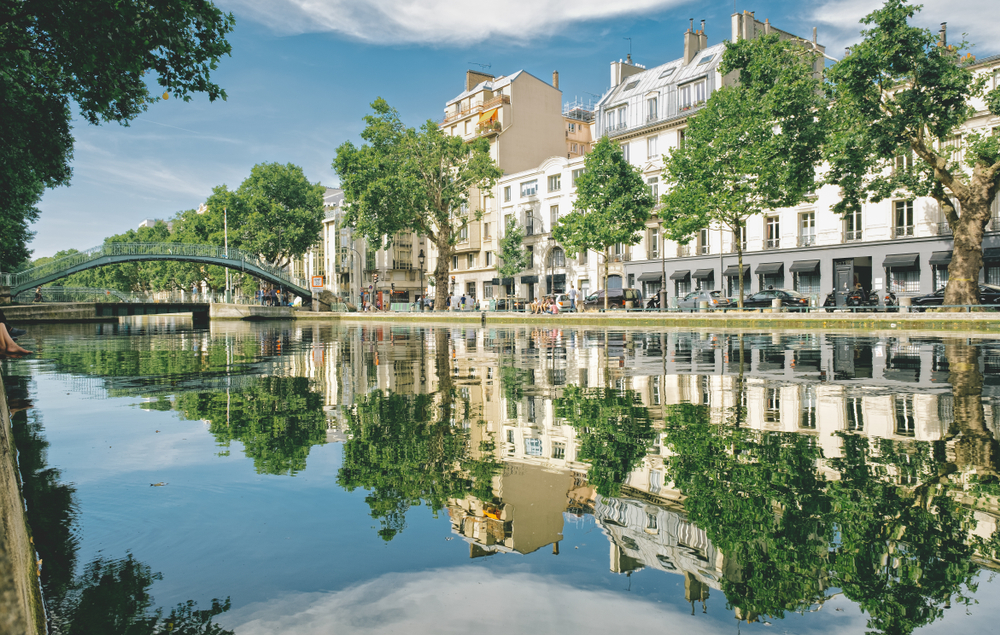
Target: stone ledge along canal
x=302, y=477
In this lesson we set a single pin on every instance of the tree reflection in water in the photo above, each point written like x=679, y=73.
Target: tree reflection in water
x=892, y=527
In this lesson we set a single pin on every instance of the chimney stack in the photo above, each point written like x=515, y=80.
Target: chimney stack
x=692, y=43
x=555, y=79
x=702, y=38
x=943, y=35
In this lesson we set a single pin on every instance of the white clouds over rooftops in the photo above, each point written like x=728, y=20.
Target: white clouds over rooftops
x=979, y=20
x=446, y=22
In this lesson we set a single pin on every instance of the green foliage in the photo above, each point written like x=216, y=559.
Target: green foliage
x=404, y=454
x=615, y=432
x=95, y=54
x=753, y=147
x=513, y=258
x=612, y=203
x=275, y=212
x=404, y=179
x=277, y=420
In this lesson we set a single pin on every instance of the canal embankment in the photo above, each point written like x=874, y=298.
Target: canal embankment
x=21, y=609
x=950, y=322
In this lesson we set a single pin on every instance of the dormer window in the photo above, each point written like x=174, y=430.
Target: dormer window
x=668, y=72
x=706, y=59
x=631, y=85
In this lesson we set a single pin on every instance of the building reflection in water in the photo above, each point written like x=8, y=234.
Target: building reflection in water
x=729, y=458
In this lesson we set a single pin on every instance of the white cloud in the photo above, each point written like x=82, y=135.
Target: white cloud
x=457, y=601
x=457, y=22
x=840, y=22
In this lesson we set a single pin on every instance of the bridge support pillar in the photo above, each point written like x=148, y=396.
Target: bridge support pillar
x=5, y=295
x=315, y=301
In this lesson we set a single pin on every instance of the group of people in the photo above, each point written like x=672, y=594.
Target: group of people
x=272, y=297
x=544, y=305
x=8, y=336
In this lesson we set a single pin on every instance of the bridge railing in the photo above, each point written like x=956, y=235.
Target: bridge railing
x=235, y=256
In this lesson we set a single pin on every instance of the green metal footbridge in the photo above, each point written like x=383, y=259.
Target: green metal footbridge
x=113, y=253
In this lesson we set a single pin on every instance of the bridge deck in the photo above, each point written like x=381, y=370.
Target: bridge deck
x=111, y=311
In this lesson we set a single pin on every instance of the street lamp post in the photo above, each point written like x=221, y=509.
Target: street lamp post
x=420, y=259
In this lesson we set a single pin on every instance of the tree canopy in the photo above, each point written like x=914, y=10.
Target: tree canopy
x=103, y=55
x=416, y=180
x=902, y=125
x=612, y=205
x=753, y=147
x=512, y=257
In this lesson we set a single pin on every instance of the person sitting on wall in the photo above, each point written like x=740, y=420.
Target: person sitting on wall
x=7, y=344
x=38, y=294
x=554, y=307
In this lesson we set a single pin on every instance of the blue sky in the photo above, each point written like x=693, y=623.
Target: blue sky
x=303, y=73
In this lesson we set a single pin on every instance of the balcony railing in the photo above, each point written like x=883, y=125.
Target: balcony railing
x=807, y=240
x=496, y=102
x=704, y=250
x=994, y=225
x=772, y=243
x=852, y=235
x=902, y=231
x=683, y=251
x=621, y=257
x=944, y=229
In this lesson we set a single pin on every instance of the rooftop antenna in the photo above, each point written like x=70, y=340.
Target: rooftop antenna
x=629, y=47
x=482, y=67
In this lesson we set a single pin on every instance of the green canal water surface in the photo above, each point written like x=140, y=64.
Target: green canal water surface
x=329, y=478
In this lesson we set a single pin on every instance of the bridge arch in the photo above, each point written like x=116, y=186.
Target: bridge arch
x=114, y=253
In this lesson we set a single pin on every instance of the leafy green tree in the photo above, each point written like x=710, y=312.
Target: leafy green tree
x=902, y=108
x=95, y=54
x=275, y=213
x=615, y=432
x=413, y=180
x=513, y=258
x=753, y=147
x=612, y=206
x=276, y=419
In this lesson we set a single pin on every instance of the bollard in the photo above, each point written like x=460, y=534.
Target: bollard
x=315, y=301
x=703, y=306
x=483, y=318
x=904, y=305
x=776, y=305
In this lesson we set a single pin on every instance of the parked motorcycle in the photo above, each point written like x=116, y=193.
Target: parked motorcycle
x=859, y=299
x=654, y=302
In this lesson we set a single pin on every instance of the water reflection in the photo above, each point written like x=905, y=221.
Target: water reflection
x=782, y=471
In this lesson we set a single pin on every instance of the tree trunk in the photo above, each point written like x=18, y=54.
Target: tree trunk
x=971, y=440
x=967, y=254
x=441, y=270
x=739, y=263
x=607, y=263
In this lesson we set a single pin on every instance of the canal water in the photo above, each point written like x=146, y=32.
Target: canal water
x=289, y=478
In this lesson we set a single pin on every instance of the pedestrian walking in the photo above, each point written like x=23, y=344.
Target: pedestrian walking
x=572, y=297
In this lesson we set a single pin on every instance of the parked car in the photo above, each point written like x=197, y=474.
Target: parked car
x=988, y=294
x=562, y=299
x=715, y=299
x=791, y=300
x=616, y=299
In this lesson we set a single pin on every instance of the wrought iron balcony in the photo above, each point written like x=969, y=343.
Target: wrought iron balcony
x=852, y=236
x=944, y=229
x=807, y=240
x=902, y=231
x=772, y=243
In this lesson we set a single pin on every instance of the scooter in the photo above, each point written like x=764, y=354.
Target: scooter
x=859, y=298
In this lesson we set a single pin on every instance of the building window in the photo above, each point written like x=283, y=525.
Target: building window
x=903, y=217
x=651, y=289
x=623, y=117
x=692, y=95
x=855, y=414
x=807, y=283
x=625, y=150
x=577, y=174
x=807, y=229
x=739, y=238
x=992, y=273
x=852, y=226
x=463, y=234
x=553, y=216
x=680, y=138
x=904, y=280
x=773, y=228
x=489, y=258
x=572, y=127
x=529, y=224
x=472, y=261
x=454, y=263
x=529, y=188
x=773, y=412
x=940, y=276
x=555, y=182
x=558, y=257
x=558, y=450
x=651, y=148
x=807, y=420
x=904, y=160
x=532, y=447
x=703, y=244
x=652, y=113
x=654, y=187
x=486, y=231
x=470, y=287
x=506, y=193
x=683, y=287
x=531, y=256
x=654, y=243
x=906, y=424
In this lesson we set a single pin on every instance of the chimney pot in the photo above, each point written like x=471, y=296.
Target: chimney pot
x=702, y=26
x=691, y=26
x=555, y=79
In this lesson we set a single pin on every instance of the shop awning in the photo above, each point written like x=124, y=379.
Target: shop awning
x=901, y=261
x=488, y=116
x=680, y=275
x=559, y=278
x=940, y=258
x=507, y=281
x=704, y=274
x=991, y=255
x=804, y=266
x=769, y=268
x=495, y=282
x=734, y=270
x=529, y=279
x=649, y=276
